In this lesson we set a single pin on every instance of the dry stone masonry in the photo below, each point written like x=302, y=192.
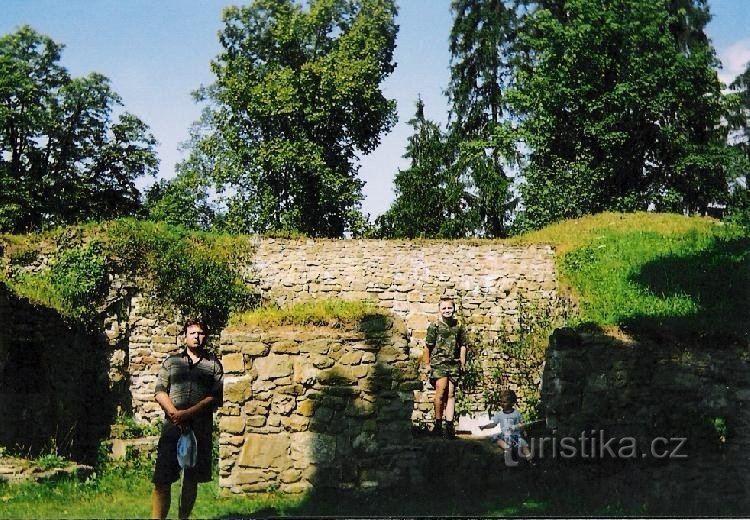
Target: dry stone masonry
x=309, y=407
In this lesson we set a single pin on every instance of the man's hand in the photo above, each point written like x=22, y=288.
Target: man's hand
x=179, y=417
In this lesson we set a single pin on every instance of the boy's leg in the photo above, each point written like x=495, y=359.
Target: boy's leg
x=450, y=403
x=440, y=399
x=187, y=497
x=160, y=499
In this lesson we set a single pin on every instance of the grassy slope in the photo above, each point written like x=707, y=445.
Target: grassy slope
x=659, y=275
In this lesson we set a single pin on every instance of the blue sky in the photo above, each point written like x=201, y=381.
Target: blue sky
x=156, y=52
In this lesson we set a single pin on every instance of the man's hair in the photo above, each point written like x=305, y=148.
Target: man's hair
x=194, y=321
x=447, y=299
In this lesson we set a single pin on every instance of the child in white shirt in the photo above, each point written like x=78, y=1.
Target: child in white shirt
x=510, y=422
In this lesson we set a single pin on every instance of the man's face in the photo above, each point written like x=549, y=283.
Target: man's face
x=447, y=309
x=195, y=336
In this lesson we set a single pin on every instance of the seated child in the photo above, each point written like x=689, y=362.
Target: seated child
x=510, y=422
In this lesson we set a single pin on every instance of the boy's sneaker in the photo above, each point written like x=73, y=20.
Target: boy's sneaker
x=449, y=431
x=437, y=429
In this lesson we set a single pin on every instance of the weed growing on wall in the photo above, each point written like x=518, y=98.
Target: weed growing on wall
x=198, y=273
x=522, y=346
x=329, y=313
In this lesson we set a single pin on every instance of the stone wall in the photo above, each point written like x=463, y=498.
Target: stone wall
x=489, y=280
x=316, y=407
x=60, y=385
x=642, y=390
x=407, y=278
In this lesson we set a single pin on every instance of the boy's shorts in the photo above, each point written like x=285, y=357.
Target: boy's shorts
x=513, y=440
x=451, y=371
x=167, y=469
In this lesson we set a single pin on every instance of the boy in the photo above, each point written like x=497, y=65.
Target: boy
x=510, y=421
x=445, y=357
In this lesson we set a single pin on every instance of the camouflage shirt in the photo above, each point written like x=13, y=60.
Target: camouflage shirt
x=444, y=342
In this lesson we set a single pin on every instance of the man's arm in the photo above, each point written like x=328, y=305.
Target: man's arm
x=179, y=417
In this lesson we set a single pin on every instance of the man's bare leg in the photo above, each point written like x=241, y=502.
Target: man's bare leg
x=187, y=497
x=160, y=499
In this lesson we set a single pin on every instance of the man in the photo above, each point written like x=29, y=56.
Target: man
x=188, y=388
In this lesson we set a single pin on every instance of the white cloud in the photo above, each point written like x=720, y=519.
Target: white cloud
x=734, y=60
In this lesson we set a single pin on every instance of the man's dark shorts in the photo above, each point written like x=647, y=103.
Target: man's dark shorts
x=167, y=469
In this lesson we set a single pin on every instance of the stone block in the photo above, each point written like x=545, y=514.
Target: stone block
x=266, y=451
x=285, y=347
x=297, y=487
x=316, y=346
x=256, y=421
x=249, y=476
x=254, y=348
x=283, y=404
x=232, y=424
x=305, y=372
x=237, y=389
x=233, y=363
x=306, y=408
x=313, y=448
x=296, y=423
x=351, y=358
x=273, y=367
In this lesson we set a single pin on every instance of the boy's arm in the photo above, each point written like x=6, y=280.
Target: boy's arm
x=462, y=346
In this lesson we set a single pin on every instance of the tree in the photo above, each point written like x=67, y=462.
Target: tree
x=62, y=156
x=739, y=123
x=481, y=46
x=296, y=98
x=429, y=202
x=621, y=109
x=182, y=201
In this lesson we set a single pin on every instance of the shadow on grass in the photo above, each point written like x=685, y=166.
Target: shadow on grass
x=717, y=280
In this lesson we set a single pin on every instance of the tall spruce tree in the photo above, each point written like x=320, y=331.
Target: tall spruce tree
x=621, y=108
x=429, y=202
x=481, y=46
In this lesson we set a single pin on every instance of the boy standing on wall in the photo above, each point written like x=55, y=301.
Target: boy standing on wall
x=445, y=357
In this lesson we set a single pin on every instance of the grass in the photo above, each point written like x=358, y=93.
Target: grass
x=663, y=274
x=118, y=493
x=319, y=313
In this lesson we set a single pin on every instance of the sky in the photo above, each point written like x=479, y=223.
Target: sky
x=156, y=52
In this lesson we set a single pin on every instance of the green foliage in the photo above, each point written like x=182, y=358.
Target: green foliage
x=182, y=201
x=611, y=126
x=481, y=45
x=319, y=313
x=74, y=284
x=63, y=158
x=195, y=271
x=525, y=340
x=50, y=461
x=79, y=277
x=429, y=202
x=656, y=274
x=297, y=96
x=126, y=427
